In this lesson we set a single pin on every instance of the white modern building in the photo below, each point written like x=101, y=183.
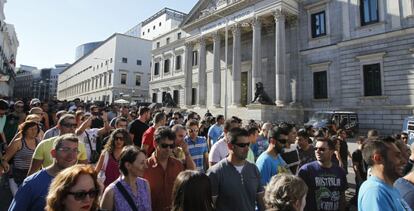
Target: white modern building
x=117, y=68
x=8, y=51
x=309, y=55
x=160, y=23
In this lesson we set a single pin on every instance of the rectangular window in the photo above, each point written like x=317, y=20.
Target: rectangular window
x=110, y=60
x=158, y=44
x=193, y=96
x=124, y=60
x=369, y=12
x=195, y=58
x=163, y=96
x=137, y=80
x=110, y=77
x=178, y=62
x=139, y=62
x=320, y=85
x=168, y=40
x=154, y=97
x=318, y=24
x=156, y=68
x=176, y=96
x=372, y=80
x=166, y=66
x=178, y=35
x=123, y=78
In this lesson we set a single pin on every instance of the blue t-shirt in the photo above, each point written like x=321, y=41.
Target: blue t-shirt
x=214, y=133
x=269, y=166
x=325, y=186
x=260, y=146
x=32, y=194
x=197, y=150
x=375, y=194
x=406, y=189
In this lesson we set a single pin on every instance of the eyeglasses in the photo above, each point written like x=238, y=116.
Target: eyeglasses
x=119, y=138
x=193, y=130
x=320, y=149
x=67, y=150
x=68, y=125
x=282, y=141
x=81, y=195
x=172, y=146
x=242, y=145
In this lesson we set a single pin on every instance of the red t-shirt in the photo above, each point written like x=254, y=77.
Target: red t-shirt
x=148, y=139
x=162, y=181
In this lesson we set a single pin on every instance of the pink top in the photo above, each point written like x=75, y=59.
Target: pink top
x=111, y=171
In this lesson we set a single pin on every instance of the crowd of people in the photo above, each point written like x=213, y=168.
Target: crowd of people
x=78, y=156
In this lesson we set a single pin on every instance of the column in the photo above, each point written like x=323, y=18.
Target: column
x=188, y=74
x=236, y=71
x=202, y=76
x=280, y=78
x=216, y=90
x=257, y=53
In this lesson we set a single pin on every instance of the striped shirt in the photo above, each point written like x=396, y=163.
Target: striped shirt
x=197, y=149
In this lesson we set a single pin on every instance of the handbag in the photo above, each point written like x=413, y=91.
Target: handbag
x=101, y=174
x=126, y=195
x=94, y=154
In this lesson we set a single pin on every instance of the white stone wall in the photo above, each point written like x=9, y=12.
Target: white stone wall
x=76, y=81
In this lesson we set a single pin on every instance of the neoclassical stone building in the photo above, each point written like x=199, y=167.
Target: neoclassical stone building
x=309, y=54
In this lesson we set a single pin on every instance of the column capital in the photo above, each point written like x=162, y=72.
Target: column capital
x=188, y=44
x=279, y=14
x=216, y=36
x=202, y=41
x=256, y=22
x=235, y=29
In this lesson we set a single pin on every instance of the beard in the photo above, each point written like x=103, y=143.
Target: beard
x=392, y=171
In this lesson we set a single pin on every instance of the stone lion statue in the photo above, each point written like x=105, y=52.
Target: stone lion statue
x=260, y=95
x=168, y=101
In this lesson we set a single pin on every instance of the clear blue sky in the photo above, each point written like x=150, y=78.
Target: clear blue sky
x=50, y=30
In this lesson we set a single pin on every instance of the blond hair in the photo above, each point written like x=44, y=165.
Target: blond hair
x=65, y=180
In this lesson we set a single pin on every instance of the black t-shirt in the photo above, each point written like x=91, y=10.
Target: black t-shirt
x=343, y=152
x=362, y=167
x=137, y=128
x=97, y=123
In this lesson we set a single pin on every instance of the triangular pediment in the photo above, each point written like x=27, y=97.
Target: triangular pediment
x=204, y=8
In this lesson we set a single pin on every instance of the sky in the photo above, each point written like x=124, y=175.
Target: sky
x=50, y=30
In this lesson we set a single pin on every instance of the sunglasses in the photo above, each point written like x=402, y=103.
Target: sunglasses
x=193, y=130
x=172, y=146
x=242, y=145
x=67, y=150
x=320, y=149
x=119, y=138
x=81, y=195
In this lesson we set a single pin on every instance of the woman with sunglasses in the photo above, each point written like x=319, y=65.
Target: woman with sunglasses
x=75, y=188
x=107, y=165
x=21, y=149
x=129, y=191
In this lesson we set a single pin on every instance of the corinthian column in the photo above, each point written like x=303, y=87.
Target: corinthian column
x=216, y=70
x=280, y=58
x=236, y=72
x=202, y=77
x=188, y=74
x=257, y=53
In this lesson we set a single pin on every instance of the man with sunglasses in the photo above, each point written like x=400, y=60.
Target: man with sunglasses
x=235, y=182
x=162, y=169
x=197, y=145
x=326, y=181
x=32, y=194
x=148, y=143
x=270, y=162
x=42, y=157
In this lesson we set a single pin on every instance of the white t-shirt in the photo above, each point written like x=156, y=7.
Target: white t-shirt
x=218, y=151
x=93, y=135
